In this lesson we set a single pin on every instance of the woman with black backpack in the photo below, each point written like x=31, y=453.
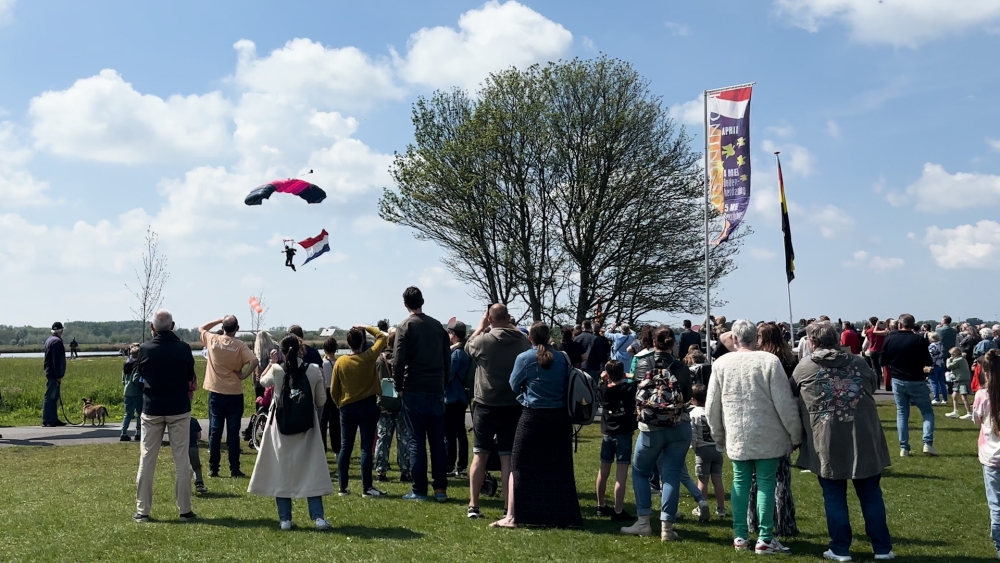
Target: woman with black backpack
x=291, y=462
x=663, y=393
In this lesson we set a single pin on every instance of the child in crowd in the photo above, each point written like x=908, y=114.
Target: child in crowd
x=939, y=387
x=133, y=394
x=618, y=424
x=986, y=413
x=199, y=483
x=707, y=457
x=959, y=368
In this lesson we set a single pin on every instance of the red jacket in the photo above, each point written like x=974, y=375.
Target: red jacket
x=850, y=339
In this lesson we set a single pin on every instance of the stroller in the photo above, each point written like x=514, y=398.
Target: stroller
x=254, y=432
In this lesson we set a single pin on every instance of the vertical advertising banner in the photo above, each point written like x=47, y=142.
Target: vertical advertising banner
x=729, y=155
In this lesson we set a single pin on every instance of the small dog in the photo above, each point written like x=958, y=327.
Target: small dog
x=94, y=413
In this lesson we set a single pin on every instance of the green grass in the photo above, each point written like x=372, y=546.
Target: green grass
x=22, y=385
x=74, y=503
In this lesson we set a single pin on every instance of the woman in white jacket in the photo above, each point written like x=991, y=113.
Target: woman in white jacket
x=753, y=416
x=293, y=465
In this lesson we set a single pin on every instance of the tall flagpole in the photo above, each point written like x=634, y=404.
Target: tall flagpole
x=708, y=275
x=782, y=203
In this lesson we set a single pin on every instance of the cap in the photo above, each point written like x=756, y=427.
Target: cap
x=458, y=327
x=57, y=326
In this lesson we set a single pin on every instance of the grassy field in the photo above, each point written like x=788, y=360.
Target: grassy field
x=74, y=503
x=22, y=385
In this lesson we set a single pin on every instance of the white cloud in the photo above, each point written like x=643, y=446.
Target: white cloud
x=782, y=130
x=103, y=118
x=966, y=246
x=795, y=158
x=832, y=221
x=832, y=129
x=678, y=28
x=880, y=264
x=901, y=23
x=488, y=39
x=322, y=76
x=993, y=143
x=876, y=263
x=368, y=224
x=436, y=276
x=18, y=188
x=349, y=167
x=588, y=43
x=938, y=191
x=689, y=113
x=761, y=253
x=6, y=9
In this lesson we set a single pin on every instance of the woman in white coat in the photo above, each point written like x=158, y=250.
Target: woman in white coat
x=293, y=465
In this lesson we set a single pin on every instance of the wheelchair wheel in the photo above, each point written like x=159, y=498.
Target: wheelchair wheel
x=257, y=431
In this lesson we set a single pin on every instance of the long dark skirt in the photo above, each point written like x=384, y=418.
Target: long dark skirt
x=784, y=504
x=542, y=463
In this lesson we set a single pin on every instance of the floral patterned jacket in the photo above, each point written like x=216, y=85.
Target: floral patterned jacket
x=843, y=435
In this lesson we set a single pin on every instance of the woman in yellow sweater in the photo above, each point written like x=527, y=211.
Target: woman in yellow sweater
x=355, y=386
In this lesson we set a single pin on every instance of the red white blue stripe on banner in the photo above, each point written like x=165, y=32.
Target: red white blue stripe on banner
x=729, y=155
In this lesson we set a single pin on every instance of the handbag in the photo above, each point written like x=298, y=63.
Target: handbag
x=389, y=400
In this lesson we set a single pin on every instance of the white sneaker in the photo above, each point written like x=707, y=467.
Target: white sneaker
x=285, y=525
x=934, y=402
x=702, y=512
x=903, y=452
x=770, y=548
x=952, y=414
x=322, y=524
x=740, y=544
x=829, y=554
x=886, y=556
x=345, y=493
x=930, y=451
x=966, y=416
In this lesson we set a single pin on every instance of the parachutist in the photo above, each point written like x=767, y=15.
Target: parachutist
x=289, y=254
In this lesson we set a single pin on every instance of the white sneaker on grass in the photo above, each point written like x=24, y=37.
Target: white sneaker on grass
x=903, y=452
x=884, y=556
x=702, y=512
x=829, y=554
x=741, y=544
x=770, y=548
x=966, y=416
x=952, y=414
x=322, y=524
x=935, y=403
x=285, y=525
x=930, y=451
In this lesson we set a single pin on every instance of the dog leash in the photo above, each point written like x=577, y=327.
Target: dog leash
x=66, y=418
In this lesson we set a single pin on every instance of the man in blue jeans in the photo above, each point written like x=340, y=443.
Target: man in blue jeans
x=906, y=355
x=230, y=361
x=421, y=358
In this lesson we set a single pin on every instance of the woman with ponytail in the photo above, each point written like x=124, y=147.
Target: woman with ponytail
x=986, y=413
x=541, y=479
x=293, y=465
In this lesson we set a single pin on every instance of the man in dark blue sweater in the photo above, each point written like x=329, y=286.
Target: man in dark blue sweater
x=55, y=369
x=167, y=369
x=905, y=353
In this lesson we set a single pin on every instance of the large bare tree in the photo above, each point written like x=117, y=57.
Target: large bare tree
x=150, y=281
x=257, y=319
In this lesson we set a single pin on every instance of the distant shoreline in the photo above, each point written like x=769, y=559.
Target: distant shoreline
x=114, y=348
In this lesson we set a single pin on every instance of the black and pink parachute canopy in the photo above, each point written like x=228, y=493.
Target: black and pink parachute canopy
x=309, y=192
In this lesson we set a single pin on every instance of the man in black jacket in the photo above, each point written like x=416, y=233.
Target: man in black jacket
x=166, y=367
x=421, y=358
x=55, y=369
x=908, y=359
x=688, y=338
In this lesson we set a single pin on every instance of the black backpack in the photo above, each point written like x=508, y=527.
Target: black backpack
x=294, y=408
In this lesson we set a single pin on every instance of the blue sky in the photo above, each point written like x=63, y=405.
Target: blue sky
x=119, y=115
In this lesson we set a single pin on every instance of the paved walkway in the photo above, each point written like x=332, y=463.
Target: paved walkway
x=76, y=435
x=109, y=433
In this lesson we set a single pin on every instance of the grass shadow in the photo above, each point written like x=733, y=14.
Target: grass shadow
x=228, y=522
x=211, y=495
x=367, y=532
x=904, y=475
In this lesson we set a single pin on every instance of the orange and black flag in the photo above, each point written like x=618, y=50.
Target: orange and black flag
x=786, y=229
